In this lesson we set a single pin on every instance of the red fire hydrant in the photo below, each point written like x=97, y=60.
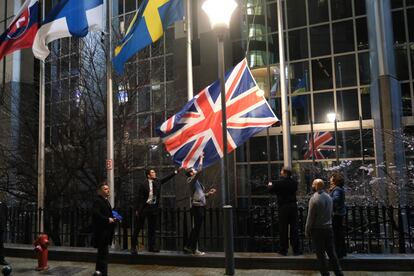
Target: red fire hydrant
x=42, y=252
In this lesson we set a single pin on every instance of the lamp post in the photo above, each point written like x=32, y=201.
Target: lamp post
x=332, y=118
x=219, y=13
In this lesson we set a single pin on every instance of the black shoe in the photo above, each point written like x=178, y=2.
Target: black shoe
x=134, y=252
x=153, y=250
x=3, y=262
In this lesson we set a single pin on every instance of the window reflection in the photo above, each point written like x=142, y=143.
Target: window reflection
x=322, y=74
x=347, y=104
x=325, y=105
x=320, y=41
x=345, y=71
x=318, y=11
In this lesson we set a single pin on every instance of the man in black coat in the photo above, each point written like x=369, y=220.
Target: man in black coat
x=3, y=223
x=103, y=223
x=146, y=207
x=285, y=189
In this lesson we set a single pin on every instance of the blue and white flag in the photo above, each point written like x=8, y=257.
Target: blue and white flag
x=68, y=18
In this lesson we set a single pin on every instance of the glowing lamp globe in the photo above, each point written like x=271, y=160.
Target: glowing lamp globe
x=219, y=12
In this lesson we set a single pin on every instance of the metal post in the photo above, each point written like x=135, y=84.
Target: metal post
x=189, y=54
x=287, y=160
x=109, y=109
x=41, y=145
x=4, y=58
x=336, y=140
x=227, y=208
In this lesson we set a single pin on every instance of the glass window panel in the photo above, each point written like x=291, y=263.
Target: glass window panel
x=259, y=179
x=241, y=153
x=175, y=98
x=169, y=40
x=298, y=44
x=276, y=148
x=318, y=11
x=158, y=120
x=131, y=128
x=272, y=17
x=324, y=144
x=64, y=66
x=129, y=5
x=343, y=36
x=368, y=142
x=158, y=98
x=143, y=72
x=296, y=13
x=144, y=100
x=120, y=6
x=300, y=146
x=345, y=71
x=144, y=126
x=396, y=4
x=364, y=68
x=169, y=68
x=349, y=143
x=406, y=99
x=273, y=49
x=276, y=105
x=322, y=74
x=299, y=77
x=410, y=14
x=366, y=103
x=412, y=58
x=398, y=27
x=301, y=109
x=320, y=41
x=362, y=33
x=242, y=176
x=409, y=2
x=258, y=149
x=157, y=70
x=157, y=48
x=325, y=103
x=347, y=105
x=359, y=7
x=401, y=62
x=341, y=9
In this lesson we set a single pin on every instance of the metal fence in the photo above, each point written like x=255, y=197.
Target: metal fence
x=368, y=229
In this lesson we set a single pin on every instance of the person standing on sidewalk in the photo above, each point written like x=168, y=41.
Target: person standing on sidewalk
x=198, y=207
x=147, y=202
x=337, y=193
x=285, y=189
x=319, y=228
x=103, y=224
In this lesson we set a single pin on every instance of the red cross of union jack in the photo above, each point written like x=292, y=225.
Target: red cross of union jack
x=197, y=127
x=320, y=140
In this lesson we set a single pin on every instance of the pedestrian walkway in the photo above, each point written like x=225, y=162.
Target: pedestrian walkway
x=25, y=267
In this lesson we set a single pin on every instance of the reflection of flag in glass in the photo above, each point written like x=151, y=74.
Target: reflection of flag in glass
x=299, y=101
x=323, y=144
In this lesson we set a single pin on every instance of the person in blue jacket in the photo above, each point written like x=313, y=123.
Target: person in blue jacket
x=337, y=193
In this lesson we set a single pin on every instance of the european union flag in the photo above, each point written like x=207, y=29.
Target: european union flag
x=297, y=100
x=147, y=26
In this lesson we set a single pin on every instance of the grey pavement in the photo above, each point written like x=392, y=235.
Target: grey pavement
x=24, y=266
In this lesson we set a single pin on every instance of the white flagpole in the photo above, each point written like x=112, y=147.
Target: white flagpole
x=287, y=160
x=109, y=109
x=189, y=53
x=41, y=144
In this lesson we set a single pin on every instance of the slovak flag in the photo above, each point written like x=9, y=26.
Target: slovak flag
x=197, y=128
x=22, y=30
x=68, y=18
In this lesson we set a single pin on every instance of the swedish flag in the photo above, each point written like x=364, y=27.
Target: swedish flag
x=147, y=26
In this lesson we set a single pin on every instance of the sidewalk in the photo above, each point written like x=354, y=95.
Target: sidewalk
x=25, y=267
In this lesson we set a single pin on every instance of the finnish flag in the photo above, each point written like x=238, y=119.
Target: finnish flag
x=68, y=18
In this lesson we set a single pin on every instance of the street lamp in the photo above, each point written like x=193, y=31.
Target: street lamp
x=333, y=119
x=219, y=13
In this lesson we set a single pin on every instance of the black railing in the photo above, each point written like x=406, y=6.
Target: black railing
x=369, y=229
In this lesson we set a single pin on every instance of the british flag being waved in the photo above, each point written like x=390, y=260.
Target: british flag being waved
x=197, y=127
x=322, y=143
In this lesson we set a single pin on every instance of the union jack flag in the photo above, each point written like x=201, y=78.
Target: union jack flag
x=197, y=127
x=321, y=142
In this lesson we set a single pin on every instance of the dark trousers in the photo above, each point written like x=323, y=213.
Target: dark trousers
x=322, y=240
x=1, y=245
x=197, y=213
x=102, y=260
x=339, y=235
x=288, y=218
x=150, y=213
